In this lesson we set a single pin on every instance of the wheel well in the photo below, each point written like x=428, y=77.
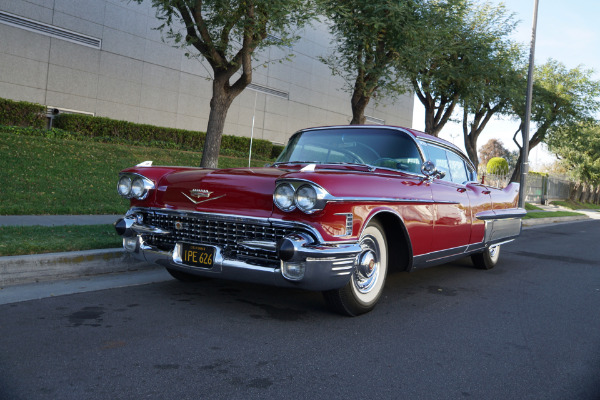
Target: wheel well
x=399, y=247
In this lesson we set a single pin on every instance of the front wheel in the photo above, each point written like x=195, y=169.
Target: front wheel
x=361, y=293
x=488, y=259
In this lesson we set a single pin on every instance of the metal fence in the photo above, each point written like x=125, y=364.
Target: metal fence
x=539, y=189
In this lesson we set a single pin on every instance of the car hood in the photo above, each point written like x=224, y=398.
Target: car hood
x=240, y=191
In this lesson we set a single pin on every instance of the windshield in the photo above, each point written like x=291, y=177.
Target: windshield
x=386, y=148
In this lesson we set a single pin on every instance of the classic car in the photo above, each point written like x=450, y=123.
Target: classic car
x=338, y=209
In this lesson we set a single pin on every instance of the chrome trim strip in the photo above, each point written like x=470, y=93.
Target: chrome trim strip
x=258, y=245
x=501, y=214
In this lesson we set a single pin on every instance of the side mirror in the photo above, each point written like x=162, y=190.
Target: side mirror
x=431, y=172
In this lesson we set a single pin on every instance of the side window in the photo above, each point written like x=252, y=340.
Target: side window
x=438, y=156
x=457, y=168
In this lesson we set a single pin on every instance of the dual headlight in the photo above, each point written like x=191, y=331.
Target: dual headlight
x=307, y=197
x=134, y=186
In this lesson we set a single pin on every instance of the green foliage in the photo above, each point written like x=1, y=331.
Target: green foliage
x=113, y=131
x=578, y=146
x=451, y=53
x=22, y=113
x=227, y=34
x=531, y=207
x=368, y=38
x=54, y=175
x=19, y=240
x=497, y=166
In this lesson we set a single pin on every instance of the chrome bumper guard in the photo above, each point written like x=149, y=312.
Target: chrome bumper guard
x=325, y=266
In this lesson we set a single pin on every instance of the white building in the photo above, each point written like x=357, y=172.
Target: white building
x=104, y=57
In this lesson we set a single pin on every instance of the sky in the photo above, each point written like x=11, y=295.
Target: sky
x=567, y=31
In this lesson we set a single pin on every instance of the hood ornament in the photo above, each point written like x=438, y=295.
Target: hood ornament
x=200, y=194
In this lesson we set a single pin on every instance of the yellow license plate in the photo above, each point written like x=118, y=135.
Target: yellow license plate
x=196, y=255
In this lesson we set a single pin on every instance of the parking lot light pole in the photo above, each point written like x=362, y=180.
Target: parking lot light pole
x=525, y=147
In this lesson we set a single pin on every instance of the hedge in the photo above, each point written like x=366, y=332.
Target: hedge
x=22, y=113
x=112, y=130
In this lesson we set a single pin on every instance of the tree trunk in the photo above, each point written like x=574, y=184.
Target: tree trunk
x=219, y=105
x=359, y=104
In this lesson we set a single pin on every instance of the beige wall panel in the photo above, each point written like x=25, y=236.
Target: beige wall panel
x=88, y=10
x=117, y=111
x=37, y=10
x=119, y=91
x=22, y=43
x=195, y=86
x=120, y=67
x=71, y=102
x=159, y=99
x=71, y=81
x=74, y=56
x=125, y=44
x=125, y=19
x=67, y=21
x=22, y=93
x=160, y=77
x=23, y=71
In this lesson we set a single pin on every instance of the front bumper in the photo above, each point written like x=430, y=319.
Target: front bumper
x=324, y=266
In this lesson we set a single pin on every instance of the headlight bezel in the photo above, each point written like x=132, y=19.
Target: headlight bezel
x=318, y=195
x=143, y=185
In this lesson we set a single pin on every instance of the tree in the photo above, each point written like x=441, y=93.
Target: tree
x=368, y=37
x=561, y=98
x=489, y=94
x=493, y=148
x=452, y=56
x=227, y=33
x=578, y=146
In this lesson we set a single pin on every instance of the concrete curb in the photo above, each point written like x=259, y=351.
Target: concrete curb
x=17, y=270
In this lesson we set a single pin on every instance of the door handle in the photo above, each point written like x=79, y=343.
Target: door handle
x=461, y=190
x=486, y=192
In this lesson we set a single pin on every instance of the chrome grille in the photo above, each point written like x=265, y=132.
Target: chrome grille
x=225, y=233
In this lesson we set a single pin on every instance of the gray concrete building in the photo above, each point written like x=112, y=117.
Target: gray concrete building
x=104, y=57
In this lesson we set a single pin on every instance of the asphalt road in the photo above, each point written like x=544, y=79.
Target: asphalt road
x=528, y=329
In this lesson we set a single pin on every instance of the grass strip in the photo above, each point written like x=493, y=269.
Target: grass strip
x=551, y=214
x=531, y=207
x=21, y=240
x=57, y=176
x=575, y=205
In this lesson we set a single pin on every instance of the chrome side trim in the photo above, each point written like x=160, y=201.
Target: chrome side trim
x=501, y=214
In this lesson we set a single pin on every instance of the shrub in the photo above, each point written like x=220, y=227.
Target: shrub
x=112, y=130
x=22, y=113
x=497, y=166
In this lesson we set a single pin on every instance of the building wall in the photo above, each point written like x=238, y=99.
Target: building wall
x=135, y=76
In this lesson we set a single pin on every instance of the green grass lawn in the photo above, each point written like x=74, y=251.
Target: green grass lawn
x=19, y=240
x=531, y=207
x=551, y=214
x=57, y=176
x=575, y=205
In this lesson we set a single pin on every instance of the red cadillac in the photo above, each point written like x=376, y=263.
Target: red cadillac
x=340, y=207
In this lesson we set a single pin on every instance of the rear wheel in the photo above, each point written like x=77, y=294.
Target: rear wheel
x=488, y=259
x=184, y=276
x=361, y=293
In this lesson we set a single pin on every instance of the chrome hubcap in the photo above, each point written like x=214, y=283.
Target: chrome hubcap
x=367, y=270
x=494, y=250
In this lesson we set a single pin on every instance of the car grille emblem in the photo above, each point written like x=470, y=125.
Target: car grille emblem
x=200, y=194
